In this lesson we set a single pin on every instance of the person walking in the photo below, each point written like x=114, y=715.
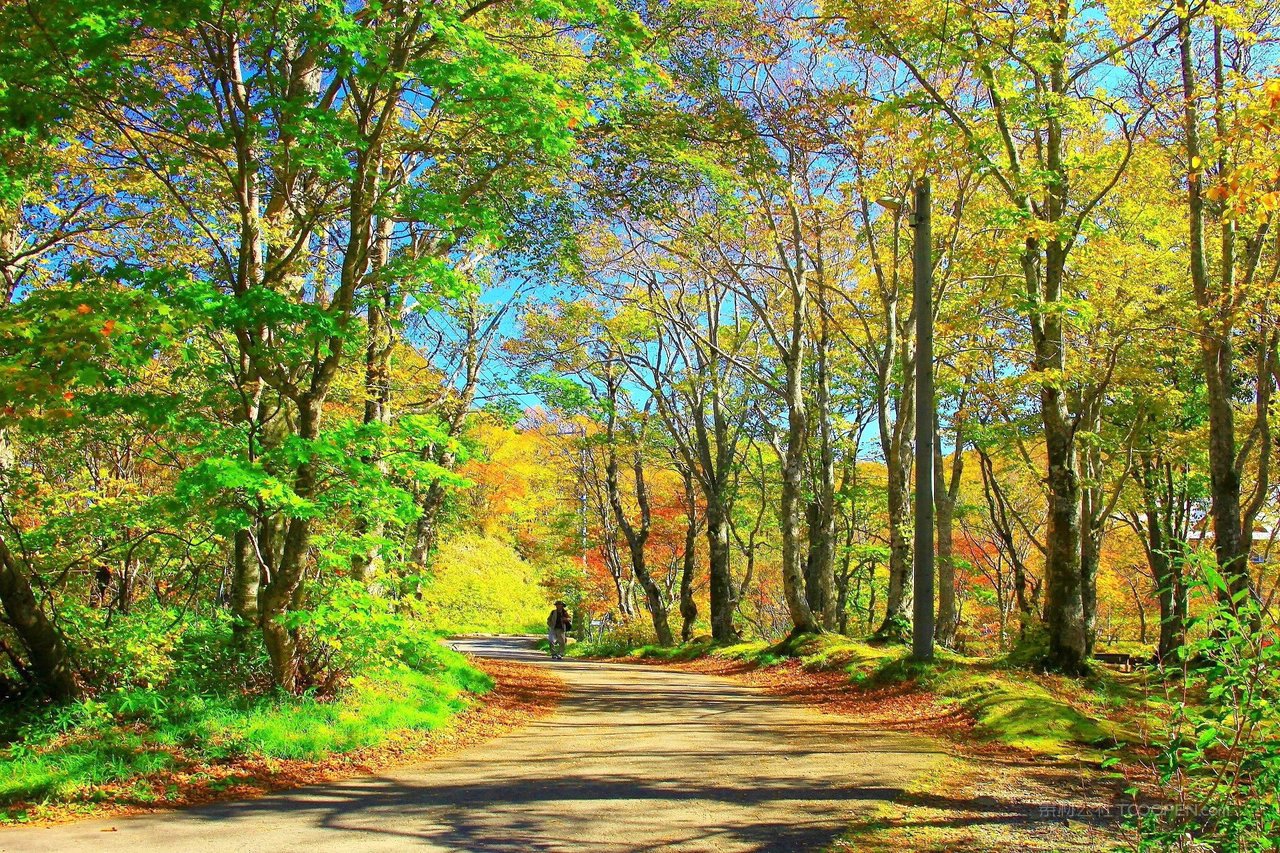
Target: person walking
x=558, y=625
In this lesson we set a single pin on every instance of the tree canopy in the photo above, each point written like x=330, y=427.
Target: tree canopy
x=430, y=309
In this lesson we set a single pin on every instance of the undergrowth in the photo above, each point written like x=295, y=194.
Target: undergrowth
x=118, y=743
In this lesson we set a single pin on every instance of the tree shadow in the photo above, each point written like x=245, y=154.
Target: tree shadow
x=528, y=812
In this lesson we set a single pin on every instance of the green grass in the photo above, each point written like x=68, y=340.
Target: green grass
x=1016, y=709
x=1010, y=705
x=131, y=736
x=621, y=646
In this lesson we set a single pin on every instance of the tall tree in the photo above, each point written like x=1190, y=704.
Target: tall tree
x=1220, y=141
x=1028, y=64
x=313, y=116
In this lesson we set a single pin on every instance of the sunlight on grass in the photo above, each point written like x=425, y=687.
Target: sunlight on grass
x=1009, y=705
x=94, y=745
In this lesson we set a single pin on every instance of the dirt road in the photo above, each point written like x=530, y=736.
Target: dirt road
x=634, y=759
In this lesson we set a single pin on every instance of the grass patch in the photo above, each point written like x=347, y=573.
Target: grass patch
x=827, y=651
x=622, y=647
x=1011, y=705
x=1013, y=708
x=79, y=753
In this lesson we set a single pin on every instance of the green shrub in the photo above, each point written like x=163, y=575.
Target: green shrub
x=69, y=752
x=194, y=694
x=208, y=660
x=1219, y=756
x=126, y=650
x=621, y=639
x=347, y=630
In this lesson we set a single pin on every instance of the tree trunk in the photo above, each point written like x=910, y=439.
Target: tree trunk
x=999, y=512
x=894, y=438
x=1063, y=590
x=898, y=599
x=245, y=579
x=848, y=486
x=820, y=565
x=653, y=596
x=50, y=662
x=1163, y=526
x=1231, y=544
x=1095, y=512
x=946, y=494
x=894, y=377
x=793, y=581
x=697, y=416
x=622, y=583
x=944, y=514
x=720, y=580
x=279, y=594
x=792, y=342
x=246, y=568
x=1090, y=559
x=842, y=581
x=1172, y=596
x=688, y=606
x=871, y=594
x=1142, y=613
x=637, y=536
x=377, y=384
x=424, y=529
x=1064, y=605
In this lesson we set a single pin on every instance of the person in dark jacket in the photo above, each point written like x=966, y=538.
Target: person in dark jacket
x=558, y=625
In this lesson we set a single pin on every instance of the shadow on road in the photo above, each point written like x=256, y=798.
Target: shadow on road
x=517, y=812
x=633, y=759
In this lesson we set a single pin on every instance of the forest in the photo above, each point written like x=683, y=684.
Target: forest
x=331, y=328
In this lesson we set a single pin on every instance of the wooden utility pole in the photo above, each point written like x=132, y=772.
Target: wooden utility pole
x=922, y=276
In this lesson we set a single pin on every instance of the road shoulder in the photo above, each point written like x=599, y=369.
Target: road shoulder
x=980, y=797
